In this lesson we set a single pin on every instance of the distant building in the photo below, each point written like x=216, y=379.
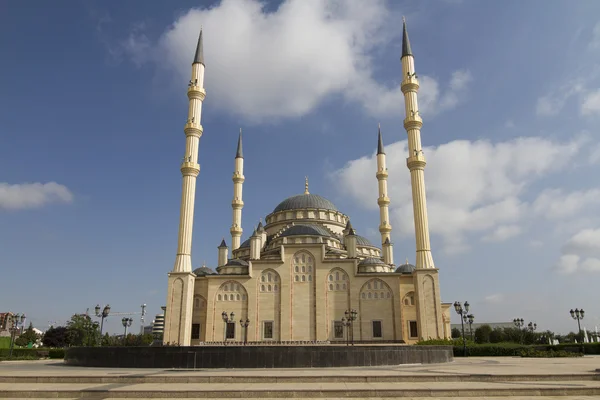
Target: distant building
x=158, y=325
x=492, y=325
x=148, y=329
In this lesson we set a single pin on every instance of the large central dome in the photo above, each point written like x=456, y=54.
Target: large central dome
x=306, y=200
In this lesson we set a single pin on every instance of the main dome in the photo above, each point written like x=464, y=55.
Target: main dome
x=305, y=201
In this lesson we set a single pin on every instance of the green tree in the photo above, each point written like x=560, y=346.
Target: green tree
x=455, y=333
x=56, y=337
x=29, y=336
x=482, y=334
x=82, y=331
x=497, y=336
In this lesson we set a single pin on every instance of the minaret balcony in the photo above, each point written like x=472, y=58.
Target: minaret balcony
x=238, y=178
x=237, y=203
x=409, y=84
x=416, y=162
x=383, y=201
x=190, y=168
x=196, y=92
x=385, y=228
x=193, y=129
x=236, y=231
x=382, y=174
x=413, y=122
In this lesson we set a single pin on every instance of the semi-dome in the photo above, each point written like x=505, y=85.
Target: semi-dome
x=363, y=241
x=306, y=230
x=405, y=268
x=371, y=261
x=203, y=271
x=306, y=200
x=236, y=262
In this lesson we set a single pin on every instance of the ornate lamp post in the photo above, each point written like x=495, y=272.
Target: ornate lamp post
x=532, y=326
x=469, y=319
x=519, y=322
x=126, y=324
x=244, y=325
x=227, y=319
x=346, y=325
x=578, y=315
x=17, y=322
x=462, y=312
x=103, y=314
x=351, y=315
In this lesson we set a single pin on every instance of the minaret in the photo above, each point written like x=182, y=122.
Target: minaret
x=384, y=201
x=415, y=161
x=223, y=253
x=237, y=204
x=178, y=318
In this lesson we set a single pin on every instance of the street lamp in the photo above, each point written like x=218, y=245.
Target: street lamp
x=351, y=317
x=17, y=319
x=103, y=314
x=532, y=326
x=244, y=325
x=578, y=315
x=462, y=312
x=126, y=324
x=227, y=320
x=346, y=325
x=469, y=319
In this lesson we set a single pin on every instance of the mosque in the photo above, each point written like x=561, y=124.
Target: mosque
x=305, y=275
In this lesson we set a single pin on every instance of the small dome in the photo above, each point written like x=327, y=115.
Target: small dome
x=305, y=201
x=371, y=261
x=203, y=271
x=236, y=262
x=405, y=269
x=306, y=229
x=363, y=241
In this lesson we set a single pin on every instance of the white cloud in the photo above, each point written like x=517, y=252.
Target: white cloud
x=502, y=233
x=591, y=103
x=556, y=204
x=581, y=253
x=594, y=156
x=283, y=63
x=494, y=298
x=472, y=187
x=536, y=243
x=595, y=42
x=553, y=103
x=32, y=195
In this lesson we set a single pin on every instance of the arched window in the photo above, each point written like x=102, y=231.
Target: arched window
x=382, y=295
x=237, y=297
x=337, y=286
x=331, y=286
x=375, y=295
x=309, y=259
x=303, y=269
x=262, y=278
x=244, y=297
x=275, y=288
x=219, y=297
x=337, y=276
x=197, y=302
x=310, y=268
x=331, y=277
x=270, y=277
x=262, y=288
x=389, y=295
x=344, y=286
x=303, y=258
x=310, y=278
x=226, y=288
x=369, y=295
x=297, y=269
x=276, y=278
x=296, y=278
x=364, y=296
x=369, y=285
x=231, y=297
x=303, y=278
x=406, y=301
x=269, y=288
x=344, y=277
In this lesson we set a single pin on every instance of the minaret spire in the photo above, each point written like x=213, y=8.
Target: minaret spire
x=415, y=161
x=199, y=56
x=178, y=314
x=383, y=201
x=237, y=204
x=406, y=50
x=306, y=185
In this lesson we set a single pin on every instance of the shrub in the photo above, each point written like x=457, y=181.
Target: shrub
x=436, y=342
x=533, y=352
x=56, y=353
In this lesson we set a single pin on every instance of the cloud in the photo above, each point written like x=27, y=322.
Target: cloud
x=580, y=253
x=32, y=195
x=536, y=243
x=494, y=298
x=269, y=64
x=472, y=186
x=556, y=204
x=595, y=41
x=591, y=103
x=552, y=103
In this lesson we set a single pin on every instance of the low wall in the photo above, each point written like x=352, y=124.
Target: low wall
x=256, y=356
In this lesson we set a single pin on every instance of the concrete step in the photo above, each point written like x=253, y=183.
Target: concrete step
x=175, y=377
x=301, y=390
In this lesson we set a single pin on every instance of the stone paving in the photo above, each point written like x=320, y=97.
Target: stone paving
x=475, y=377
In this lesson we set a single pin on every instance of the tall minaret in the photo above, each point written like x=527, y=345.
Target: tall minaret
x=178, y=317
x=383, y=200
x=237, y=204
x=416, y=160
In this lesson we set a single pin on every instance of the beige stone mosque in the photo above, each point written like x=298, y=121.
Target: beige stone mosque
x=302, y=273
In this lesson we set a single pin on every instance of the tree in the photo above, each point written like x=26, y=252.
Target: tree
x=29, y=336
x=482, y=334
x=56, y=337
x=82, y=331
x=455, y=333
x=497, y=336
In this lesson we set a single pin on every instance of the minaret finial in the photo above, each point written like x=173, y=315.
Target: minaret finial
x=199, y=57
x=240, y=151
x=406, y=50
x=406, y=262
x=379, y=141
x=306, y=185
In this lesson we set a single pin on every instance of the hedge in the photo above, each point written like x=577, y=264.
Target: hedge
x=516, y=350
x=26, y=354
x=57, y=353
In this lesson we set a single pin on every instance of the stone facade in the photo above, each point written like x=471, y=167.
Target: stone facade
x=295, y=277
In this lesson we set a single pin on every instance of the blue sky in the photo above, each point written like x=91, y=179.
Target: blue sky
x=93, y=103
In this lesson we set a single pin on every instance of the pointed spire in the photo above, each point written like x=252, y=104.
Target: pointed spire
x=223, y=244
x=379, y=141
x=260, y=228
x=406, y=50
x=351, y=232
x=240, y=150
x=306, y=185
x=348, y=225
x=199, y=57
x=406, y=262
x=254, y=233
